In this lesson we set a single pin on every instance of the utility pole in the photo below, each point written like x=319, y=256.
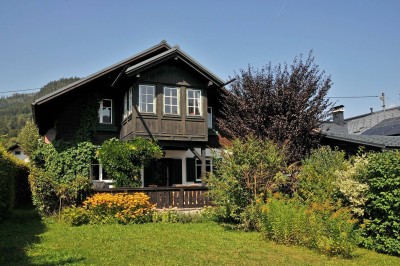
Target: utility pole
x=382, y=98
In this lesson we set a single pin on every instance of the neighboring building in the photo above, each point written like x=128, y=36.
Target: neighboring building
x=161, y=93
x=373, y=131
x=17, y=151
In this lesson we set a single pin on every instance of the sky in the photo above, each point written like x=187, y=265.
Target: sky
x=357, y=43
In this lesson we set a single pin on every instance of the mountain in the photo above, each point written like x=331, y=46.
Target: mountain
x=15, y=110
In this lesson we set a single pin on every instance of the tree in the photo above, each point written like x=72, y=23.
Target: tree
x=284, y=103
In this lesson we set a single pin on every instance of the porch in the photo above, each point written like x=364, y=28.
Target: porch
x=182, y=197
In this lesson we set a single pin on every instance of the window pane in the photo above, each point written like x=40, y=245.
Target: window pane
x=106, y=103
x=167, y=109
x=174, y=101
x=150, y=108
x=174, y=109
x=167, y=101
x=174, y=92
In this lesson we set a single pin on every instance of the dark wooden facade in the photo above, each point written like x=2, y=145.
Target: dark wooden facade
x=160, y=66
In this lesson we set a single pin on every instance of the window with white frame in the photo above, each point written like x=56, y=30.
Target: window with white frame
x=198, y=168
x=147, y=100
x=171, y=101
x=97, y=173
x=127, y=103
x=105, y=111
x=193, y=102
x=210, y=118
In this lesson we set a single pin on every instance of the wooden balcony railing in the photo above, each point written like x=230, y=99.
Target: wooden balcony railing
x=169, y=197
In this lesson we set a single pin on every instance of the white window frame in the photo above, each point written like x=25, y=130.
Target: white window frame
x=127, y=103
x=198, y=164
x=199, y=103
x=210, y=117
x=101, y=112
x=100, y=171
x=171, y=97
x=147, y=104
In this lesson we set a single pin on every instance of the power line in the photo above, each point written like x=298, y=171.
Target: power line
x=19, y=90
x=352, y=97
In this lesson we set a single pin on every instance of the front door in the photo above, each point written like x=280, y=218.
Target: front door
x=163, y=172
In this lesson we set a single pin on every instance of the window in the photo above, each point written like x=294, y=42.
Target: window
x=127, y=103
x=105, y=111
x=198, y=168
x=147, y=99
x=17, y=152
x=210, y=118
x=193, y=102
x=171, y=101
x=97, y=173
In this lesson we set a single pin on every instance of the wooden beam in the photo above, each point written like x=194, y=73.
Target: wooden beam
x=198, y=156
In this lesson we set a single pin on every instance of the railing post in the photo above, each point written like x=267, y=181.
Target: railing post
x=182, y=198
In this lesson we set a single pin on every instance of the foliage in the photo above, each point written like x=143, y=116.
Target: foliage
x=120, y=207
x=318, y=226
x=351, y=185
x=28, y=138
x=245, y=171
x=382, y=226
x=60, y=175
x=174, y=216
x=15, y=110
x=88, y=119
x=285, y=104
x=75, y=216
x=123, y=160
x=318, y=176
x=12, y=171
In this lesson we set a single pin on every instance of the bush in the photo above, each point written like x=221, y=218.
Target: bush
x=175, y=216
x=60, y=175
x=318, y=176
x=123, y=160
x=121, y=207
x=75, y=216
x=12, y=173
x=382, y=225
x=244, y=172
x=290, y=222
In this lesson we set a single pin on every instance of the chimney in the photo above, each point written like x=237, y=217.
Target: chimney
x=338, y=115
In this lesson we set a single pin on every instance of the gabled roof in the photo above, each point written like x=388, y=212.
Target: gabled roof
x=178, y=54
x=163, y=45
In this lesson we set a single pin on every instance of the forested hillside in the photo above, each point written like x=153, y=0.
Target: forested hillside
x=15, y=110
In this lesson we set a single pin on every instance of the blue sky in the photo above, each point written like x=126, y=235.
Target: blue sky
x=356, y=42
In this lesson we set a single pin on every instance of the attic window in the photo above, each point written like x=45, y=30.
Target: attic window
x=171, y=101
x=105, y=112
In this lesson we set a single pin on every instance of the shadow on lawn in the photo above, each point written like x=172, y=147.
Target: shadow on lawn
x=17, y=233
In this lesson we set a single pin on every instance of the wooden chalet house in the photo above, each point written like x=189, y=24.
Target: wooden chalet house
x=161, y=93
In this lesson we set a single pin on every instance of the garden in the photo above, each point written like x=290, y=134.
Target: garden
x=325, y=209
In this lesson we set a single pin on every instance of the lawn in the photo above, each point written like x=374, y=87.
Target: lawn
x=27, y=240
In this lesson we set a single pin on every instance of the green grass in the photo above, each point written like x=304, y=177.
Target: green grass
x=26, y=240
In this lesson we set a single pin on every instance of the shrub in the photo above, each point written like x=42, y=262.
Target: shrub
x=123, y=160
x=382, y=226
x=291, y=222
x=60, y=175
x=318, y=176
x=244, y=172
x=75, y=216
x=121, y=207
x=12, y=173
x=174, y=216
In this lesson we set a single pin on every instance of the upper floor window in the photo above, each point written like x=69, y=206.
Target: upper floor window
x=127, y=103
x=105, y=112
x=147, y=99
x=210, y=118
x=171, y=101
x=193, y=102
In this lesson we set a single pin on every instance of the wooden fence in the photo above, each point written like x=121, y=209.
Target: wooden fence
x=166, y=197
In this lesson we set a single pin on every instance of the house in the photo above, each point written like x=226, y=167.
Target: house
x=374, y=131
x=18, y=152
x=160, y=93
